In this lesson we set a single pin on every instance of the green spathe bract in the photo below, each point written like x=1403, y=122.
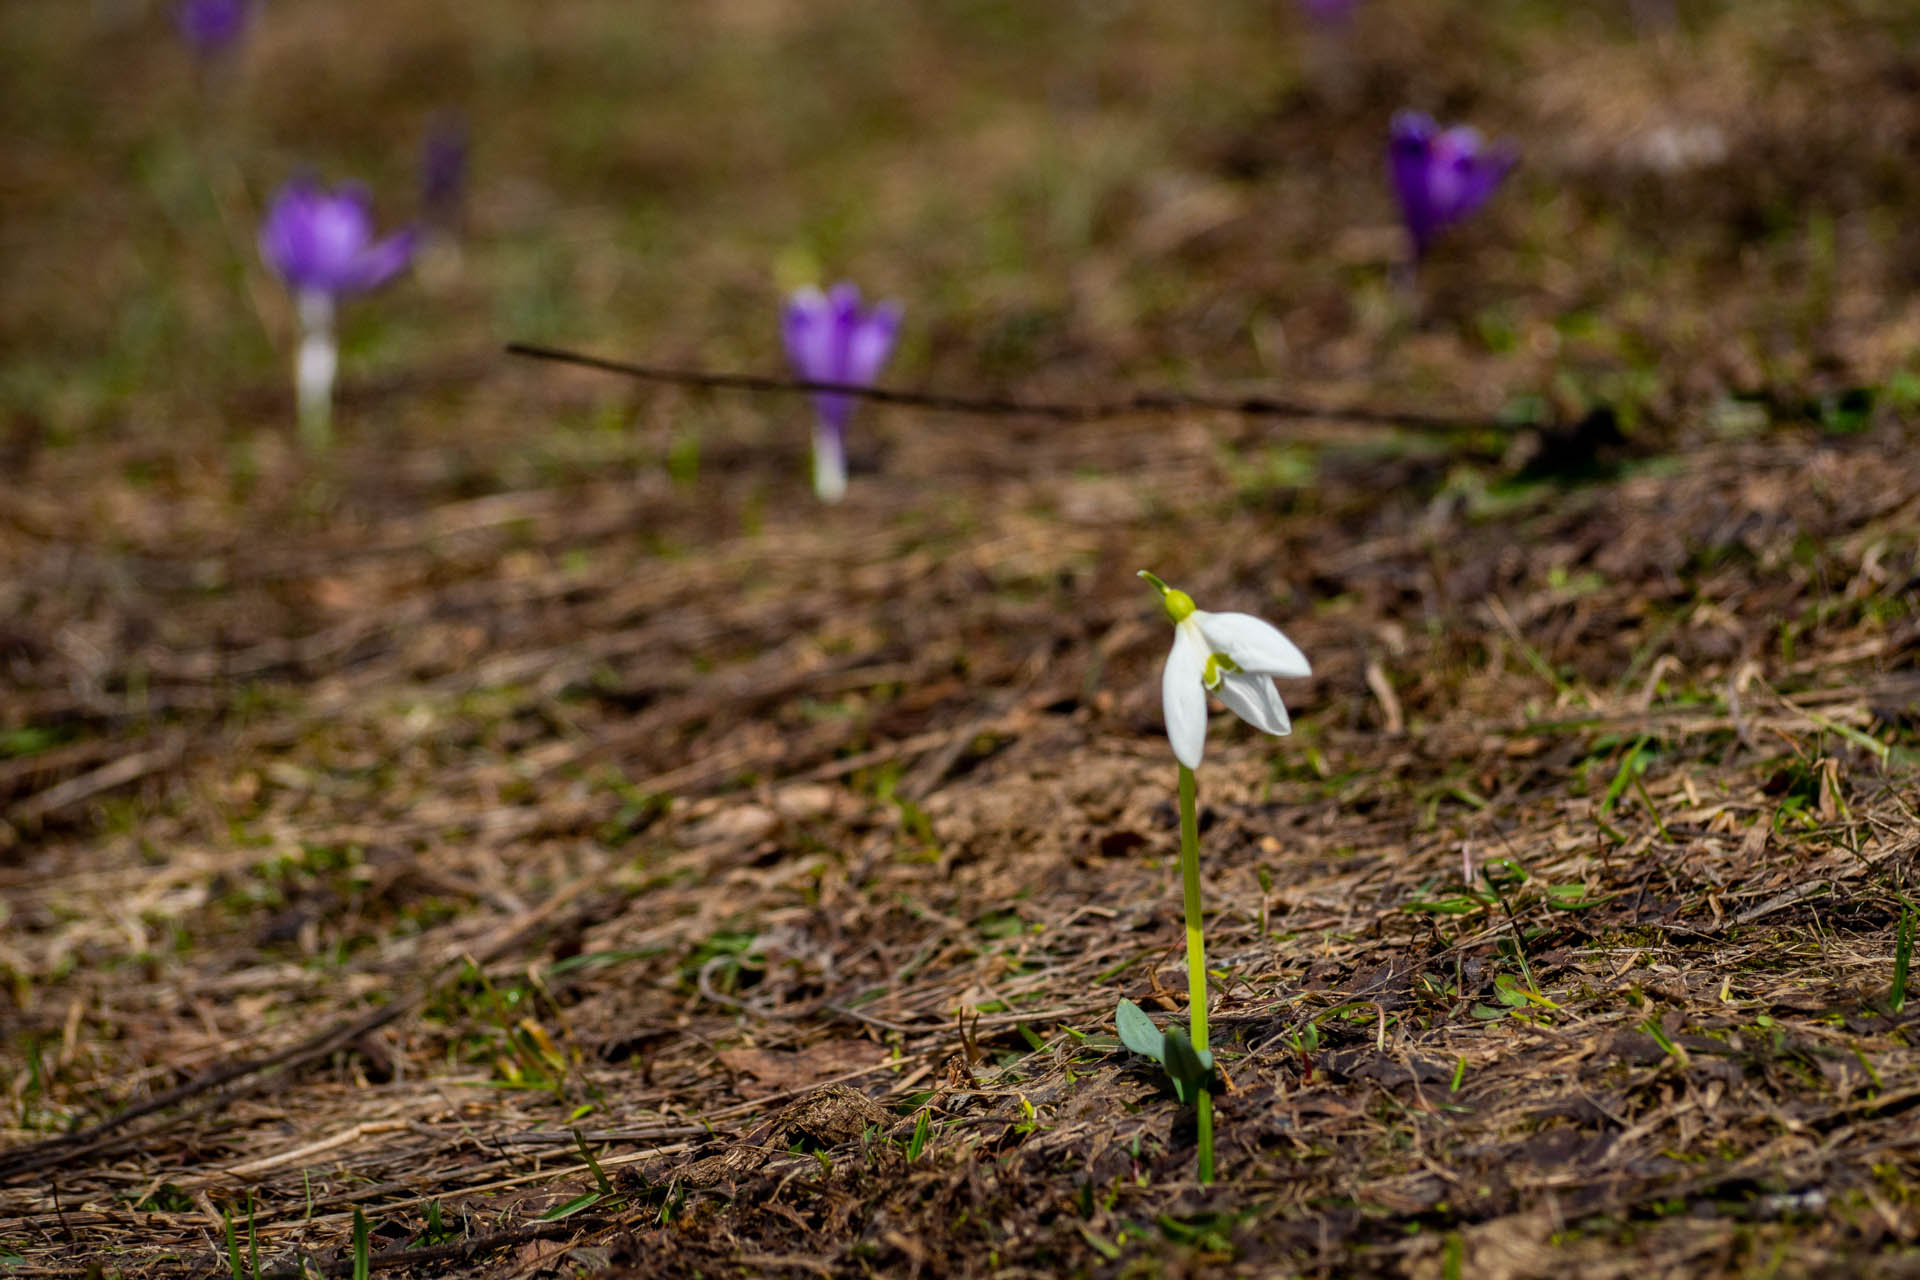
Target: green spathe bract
x=1178, y=604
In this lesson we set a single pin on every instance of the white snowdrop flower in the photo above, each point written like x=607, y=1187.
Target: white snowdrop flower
x=1234, y=656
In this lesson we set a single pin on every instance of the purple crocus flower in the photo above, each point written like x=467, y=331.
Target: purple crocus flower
x=830, y=337
x=1441, y=176
x=322, y=241
x=322, y=244
x=1328, y=11
x=211, y=26
x=443, y=168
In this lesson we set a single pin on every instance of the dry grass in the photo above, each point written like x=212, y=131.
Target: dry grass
x=540, y=828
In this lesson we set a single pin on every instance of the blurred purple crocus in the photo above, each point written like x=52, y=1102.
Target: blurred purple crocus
x=322, y=244
x=322, y=241
x=830, y=337
x=1328, y=11
x=211, y=26
x=1441, y=176
x=443, y=168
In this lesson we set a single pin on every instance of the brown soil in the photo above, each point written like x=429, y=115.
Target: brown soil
x=540, y=828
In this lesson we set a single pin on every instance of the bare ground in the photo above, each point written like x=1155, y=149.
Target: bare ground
x=539, y=827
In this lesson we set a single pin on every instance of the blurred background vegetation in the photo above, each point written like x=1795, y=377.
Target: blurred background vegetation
x=1071, y=194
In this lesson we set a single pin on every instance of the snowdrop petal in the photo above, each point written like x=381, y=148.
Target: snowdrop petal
x=1255, y=646
x=1182, y=698
x=1255, y=700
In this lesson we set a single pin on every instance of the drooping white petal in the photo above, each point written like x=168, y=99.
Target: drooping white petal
x=1255, y=700
x=1182, y=699
x=1254, y=645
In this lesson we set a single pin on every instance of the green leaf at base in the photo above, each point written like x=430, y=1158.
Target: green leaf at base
x=1137, y=1031
x=1190, y=1069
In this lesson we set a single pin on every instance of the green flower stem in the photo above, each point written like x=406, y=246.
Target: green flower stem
x=1196, y=958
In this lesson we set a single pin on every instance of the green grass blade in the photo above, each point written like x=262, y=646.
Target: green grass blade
x=599, y=1174
x=1902, y=961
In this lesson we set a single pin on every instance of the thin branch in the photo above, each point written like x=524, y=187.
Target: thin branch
x=1060, y=410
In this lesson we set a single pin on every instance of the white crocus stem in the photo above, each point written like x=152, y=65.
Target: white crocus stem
x=314, y=369
x=829, y=463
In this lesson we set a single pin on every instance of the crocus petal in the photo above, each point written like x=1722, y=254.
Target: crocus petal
x=843, y=304
x=211, y=25
x=871, y=342
x=1454, y=187
x=1255, y=700
x=810, y=328
x=379, y=263
x=1409, y=155
x=282, y=239
x=1440, y=176
x=338, y=229
x=806, y=328
x=1254, y=645
x=1483, y=174
x=320, y=241
x=1414, y=126
x=443, y=164
x=1328, y=10
x=830, y=337
x=1182, y=699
